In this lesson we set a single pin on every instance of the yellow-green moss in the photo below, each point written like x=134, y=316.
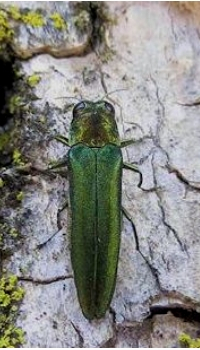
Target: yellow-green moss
x=98, y=13
x=107, y=54
x=42, y=119
x=10, y=296
x=34, y=19
x=20, y=196
x=13, y=232
x=8, y=235
x=6, y=33
x=4, y=140
x=1, y=182
x=9, y=138
x=33, y=80
x=187, y=342
x=15, y=104
x=104, y=14
x=14, y=12
x=58, y=21
x=18, y=73
x=82, y=21
x=17, y=158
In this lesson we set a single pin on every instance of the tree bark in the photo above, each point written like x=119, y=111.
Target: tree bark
x=152, y=52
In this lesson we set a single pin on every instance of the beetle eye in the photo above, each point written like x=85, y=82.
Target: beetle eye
x=79, y=106
x=109, y=107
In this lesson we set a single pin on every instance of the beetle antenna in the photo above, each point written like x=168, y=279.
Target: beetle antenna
x=75, y=98
x=112, y=92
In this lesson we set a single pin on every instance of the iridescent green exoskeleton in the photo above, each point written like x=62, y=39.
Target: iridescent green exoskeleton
x=95, y=177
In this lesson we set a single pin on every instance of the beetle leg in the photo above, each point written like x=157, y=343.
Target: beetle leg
x=66, y=205
x=125, y=143
x=41, y=245
x=63, y=140
x=59, y=169
x=127, y=215
x=134, y=168
x=27, y=168
x=59, y=164
x=129, y=218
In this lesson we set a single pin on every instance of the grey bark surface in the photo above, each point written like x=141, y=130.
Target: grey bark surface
x=156, y=59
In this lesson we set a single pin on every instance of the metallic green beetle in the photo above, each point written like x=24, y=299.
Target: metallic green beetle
x=95, y=176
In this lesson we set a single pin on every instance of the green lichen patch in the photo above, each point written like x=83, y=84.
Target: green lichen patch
x=82, y=21
x=6, y=33
x=20, y=196
x=17, y=158
x=9, y=238
x=36, y=19
x=58, y=21
x=104, y=21
x=10, y=296
x=4, y=140
x=15, y=104
x=101, y=20
x=33, y=80
x=12, y=110
x=13, y=233
x=7, y=63
x=33, y=18
x=14, y=12
x=1, y=182
x=99, y=14
x=10, y=144
x=103, y=13
x=42, y=119
x=187, y=342
x=107, y=54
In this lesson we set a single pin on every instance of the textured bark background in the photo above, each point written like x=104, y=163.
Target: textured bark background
x=155, y=57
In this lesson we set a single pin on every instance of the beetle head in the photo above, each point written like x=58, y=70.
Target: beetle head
x=94, y=124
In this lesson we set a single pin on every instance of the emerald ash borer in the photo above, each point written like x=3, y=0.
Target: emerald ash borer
x=95, y=177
